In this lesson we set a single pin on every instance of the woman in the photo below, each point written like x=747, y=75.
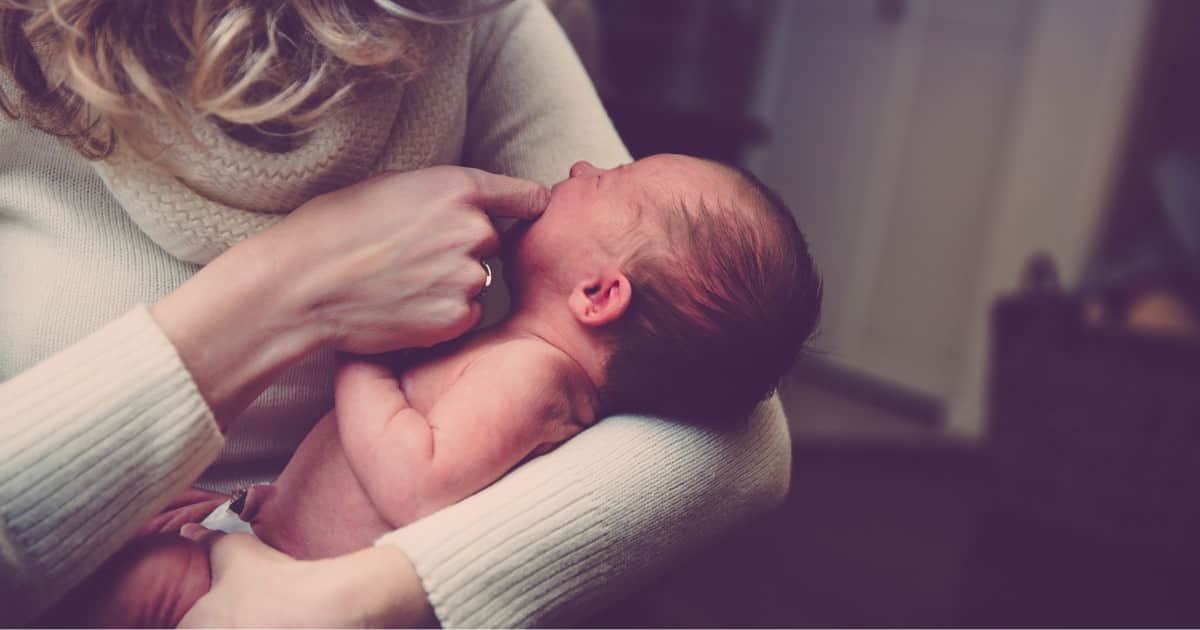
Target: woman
x=226, y=116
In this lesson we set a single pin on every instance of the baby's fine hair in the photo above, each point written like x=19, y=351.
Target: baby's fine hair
x=719, y=312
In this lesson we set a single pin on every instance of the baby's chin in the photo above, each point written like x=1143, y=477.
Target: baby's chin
x=510, y=238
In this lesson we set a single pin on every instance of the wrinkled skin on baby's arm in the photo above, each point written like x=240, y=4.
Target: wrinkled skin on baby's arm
x=510, y=399
x=397, y=447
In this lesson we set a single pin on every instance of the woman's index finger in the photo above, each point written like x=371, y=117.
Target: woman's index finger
x=512, y=197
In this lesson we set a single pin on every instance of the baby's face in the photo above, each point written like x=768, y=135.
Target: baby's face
x=596, y=214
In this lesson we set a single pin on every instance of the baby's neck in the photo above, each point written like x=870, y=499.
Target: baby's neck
x=561, y=331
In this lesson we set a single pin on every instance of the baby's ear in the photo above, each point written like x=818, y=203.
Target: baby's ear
x=601, y=299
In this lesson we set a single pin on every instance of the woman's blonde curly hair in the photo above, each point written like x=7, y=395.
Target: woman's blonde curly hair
x=265, y=70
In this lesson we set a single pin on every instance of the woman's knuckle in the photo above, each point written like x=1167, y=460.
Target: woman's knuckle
x=458, y=180
x=469, y=221
x=474, y=274
x=486, y=230
x=472, y=180
x=472, y=286
x=471, y=232
x=462, y=313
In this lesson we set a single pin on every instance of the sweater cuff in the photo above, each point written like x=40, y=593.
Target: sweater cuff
x=96, y=440
x=487, y=562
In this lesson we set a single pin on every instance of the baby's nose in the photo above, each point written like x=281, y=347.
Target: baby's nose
x=582, y=167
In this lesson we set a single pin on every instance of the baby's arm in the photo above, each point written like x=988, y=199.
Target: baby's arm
x=506, y=403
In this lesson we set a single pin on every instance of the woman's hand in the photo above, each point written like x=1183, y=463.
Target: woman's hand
x=394, y=262
x=254, y=585
x=389, y=263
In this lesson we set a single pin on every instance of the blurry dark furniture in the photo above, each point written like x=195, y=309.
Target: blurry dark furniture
x=1154, y=222
x=1090, y=513
x=678, y=75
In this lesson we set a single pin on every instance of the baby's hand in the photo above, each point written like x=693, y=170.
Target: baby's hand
x=365, y=389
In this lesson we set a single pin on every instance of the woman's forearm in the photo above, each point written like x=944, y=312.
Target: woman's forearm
x=383, y=584
x=237, y=324
x=94, y=440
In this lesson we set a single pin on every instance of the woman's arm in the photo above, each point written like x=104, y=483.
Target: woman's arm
x=95, y=439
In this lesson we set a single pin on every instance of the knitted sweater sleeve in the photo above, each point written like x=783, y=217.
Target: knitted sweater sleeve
x=93, y=441
x=574, y=530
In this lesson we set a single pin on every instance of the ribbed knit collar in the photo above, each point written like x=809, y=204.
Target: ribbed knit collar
x=197, y=201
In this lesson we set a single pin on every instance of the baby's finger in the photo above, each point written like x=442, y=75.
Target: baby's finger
x=356, y=367
x=201, y=534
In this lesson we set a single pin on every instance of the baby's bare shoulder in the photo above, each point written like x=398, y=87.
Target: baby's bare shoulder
x=526, y=359
x=535, y=379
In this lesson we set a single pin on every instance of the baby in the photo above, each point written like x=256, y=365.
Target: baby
x=672, y=286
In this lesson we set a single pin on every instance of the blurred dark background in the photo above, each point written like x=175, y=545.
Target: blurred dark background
x=998, y=424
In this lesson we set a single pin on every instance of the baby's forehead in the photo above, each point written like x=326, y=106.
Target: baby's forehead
x=671, y=169
x=679, y=180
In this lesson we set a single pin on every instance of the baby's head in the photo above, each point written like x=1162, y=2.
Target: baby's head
x=692, y=275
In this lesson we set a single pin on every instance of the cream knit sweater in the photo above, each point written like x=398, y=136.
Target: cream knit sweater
x=100, y=424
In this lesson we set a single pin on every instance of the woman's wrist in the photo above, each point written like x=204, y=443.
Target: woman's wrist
x=381, y=584
x=236, y=325
x=375, y=587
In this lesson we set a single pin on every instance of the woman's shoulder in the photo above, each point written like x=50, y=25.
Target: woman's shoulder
x=489, y=31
